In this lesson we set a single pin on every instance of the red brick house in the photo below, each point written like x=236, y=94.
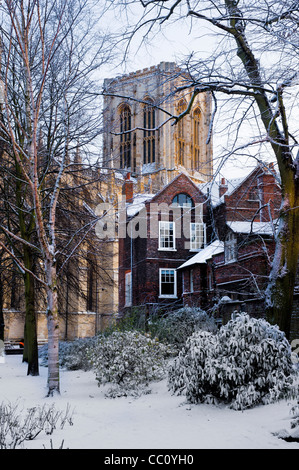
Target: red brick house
x=189, y=245
x=162, y=231
x=237, y=265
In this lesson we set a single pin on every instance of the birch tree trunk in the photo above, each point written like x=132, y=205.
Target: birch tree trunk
x=50, y=52
x=53, y=328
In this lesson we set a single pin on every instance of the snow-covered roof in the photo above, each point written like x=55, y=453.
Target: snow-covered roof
x=212, y=189
x=138, y=203
x=202, y=256
x=261, y=228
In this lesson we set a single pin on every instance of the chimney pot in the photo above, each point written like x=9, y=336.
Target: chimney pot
x=128, y=188
x=222, y=187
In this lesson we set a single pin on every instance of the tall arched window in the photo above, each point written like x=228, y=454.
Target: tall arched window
x=196, y=138
x=149, y=122
x=181, y=135
x=125, y=137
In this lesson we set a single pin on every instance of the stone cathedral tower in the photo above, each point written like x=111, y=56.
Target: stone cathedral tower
x=139, y=135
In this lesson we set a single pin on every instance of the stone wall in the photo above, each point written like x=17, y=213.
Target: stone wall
x=78, y=325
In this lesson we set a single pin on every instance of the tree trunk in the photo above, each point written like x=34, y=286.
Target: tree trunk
x=280, y=290
x=53, y=329
x=30, y=354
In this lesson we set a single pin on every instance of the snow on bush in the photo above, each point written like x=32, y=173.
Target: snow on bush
x=176, y=326
x=72, y=354
x=128, y=361
x=247, y=362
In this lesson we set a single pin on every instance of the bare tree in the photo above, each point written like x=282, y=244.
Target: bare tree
x=50, y=53
x=253, y=67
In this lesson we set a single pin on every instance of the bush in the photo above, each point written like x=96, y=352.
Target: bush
x=247, y=362
x=175, y=327
x=128, y=361
x=16, y=428
x=72, y=354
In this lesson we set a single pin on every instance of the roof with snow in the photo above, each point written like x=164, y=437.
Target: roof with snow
x=202, y=256
x=259, y=228
x=138, y=203
x=211, y=189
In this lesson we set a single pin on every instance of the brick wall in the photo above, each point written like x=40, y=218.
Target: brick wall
x=143, y=254
x=256, y=308
x=249, y=200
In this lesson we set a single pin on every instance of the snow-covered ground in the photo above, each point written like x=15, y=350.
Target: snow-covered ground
x=155, y=421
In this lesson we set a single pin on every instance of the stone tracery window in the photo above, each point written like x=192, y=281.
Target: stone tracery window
x=181, y=133
x=125, y=137
x=196, y=138
x=149, y=122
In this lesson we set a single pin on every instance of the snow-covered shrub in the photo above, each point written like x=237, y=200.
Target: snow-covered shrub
x=128, y=361
x=176, y=326
x=72, y=354
x=247, y=362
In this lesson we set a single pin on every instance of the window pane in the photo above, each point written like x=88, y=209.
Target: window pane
x=166, y=239
x=197, y=236
x=183, y=200
x=167, y=280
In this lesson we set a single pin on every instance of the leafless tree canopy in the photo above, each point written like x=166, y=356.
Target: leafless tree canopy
x=249, y=63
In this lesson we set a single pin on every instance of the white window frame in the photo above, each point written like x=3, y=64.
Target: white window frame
x=197, y=236
x=128, y=289
x=230, y=248
x=168, y=296
x=164, y=227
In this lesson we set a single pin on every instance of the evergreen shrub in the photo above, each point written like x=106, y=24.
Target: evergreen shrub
x=246, y=363
x=73, y=355
x=128, y=361
x=176, y=326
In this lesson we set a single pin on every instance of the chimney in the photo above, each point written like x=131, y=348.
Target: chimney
x=128, y=188
x=222, y=187
x=272, y=168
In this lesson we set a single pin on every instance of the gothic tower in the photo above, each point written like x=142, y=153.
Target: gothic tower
x=139, y=135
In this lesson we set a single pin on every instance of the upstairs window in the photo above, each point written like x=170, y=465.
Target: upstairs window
x=166, y=235
x=230, y=248
x=253, y=194
x=125, y=137
x=197, y=236
x=183, y=200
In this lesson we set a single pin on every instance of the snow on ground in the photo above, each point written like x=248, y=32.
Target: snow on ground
x=155, y=421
